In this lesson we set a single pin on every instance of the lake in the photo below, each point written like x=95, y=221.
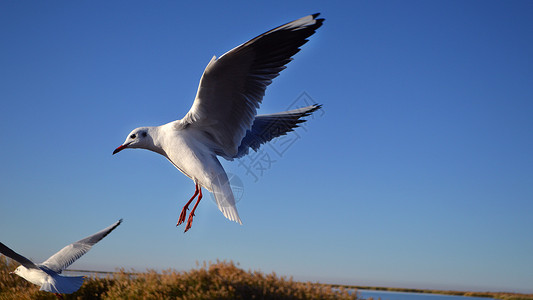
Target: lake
x=366, y=294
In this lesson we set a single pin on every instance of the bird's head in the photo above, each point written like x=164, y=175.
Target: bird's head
x=20, y=270
x=138, y=138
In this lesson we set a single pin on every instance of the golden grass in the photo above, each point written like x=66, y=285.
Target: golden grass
x=220, y=280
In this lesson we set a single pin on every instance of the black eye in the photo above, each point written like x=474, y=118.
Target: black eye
x=133, y=136
x=143, y=133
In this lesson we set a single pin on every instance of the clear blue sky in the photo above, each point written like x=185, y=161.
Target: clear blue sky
x=419, y=172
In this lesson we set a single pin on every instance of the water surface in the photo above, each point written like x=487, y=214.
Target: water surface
x=384, y=295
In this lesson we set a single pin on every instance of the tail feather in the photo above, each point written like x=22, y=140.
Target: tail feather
x=221, y=189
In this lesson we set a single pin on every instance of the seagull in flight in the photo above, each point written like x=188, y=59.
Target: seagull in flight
x=223, y=119
x=47, y=274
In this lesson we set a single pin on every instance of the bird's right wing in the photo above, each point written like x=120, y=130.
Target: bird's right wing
x=17, y=257
x=69, y=254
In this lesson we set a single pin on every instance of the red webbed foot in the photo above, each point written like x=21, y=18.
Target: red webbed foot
x=183, y=213
x=191, y=215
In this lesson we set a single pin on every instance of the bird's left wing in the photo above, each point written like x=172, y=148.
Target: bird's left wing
x=267, y=127
x=69, y=254
x=5, y=250
x=233, y=86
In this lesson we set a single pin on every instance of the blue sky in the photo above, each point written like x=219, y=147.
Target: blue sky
x=417, y=173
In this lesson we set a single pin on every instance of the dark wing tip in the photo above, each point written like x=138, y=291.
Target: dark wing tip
x=317, y=106
x=8, y=252
x=314, y=108
x=319, y=21
x=112, y=228
x=117, y=223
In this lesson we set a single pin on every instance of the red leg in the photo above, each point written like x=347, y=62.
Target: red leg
x=189, y=222
x=58, y=295
x=186, y=207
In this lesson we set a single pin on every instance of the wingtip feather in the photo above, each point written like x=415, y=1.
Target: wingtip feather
x=231, y=214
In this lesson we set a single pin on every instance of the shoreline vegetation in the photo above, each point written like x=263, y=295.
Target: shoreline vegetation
x=219, y=280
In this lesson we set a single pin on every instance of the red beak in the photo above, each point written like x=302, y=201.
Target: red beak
x=120, y=148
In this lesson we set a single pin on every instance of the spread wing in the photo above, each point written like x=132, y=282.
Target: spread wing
x=69, y=254
x=267, y=127
x=233, y=86
x=17, y=257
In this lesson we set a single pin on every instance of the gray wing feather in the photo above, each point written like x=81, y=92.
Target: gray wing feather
x=69, y=254
x=5, y=250
x=233, y=86
x=267, y=127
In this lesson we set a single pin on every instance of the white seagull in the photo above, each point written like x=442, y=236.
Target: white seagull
x=47, y=274
x=222, y=120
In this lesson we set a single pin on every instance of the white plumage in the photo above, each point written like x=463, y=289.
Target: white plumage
x=222, y=120
x=47, y=274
